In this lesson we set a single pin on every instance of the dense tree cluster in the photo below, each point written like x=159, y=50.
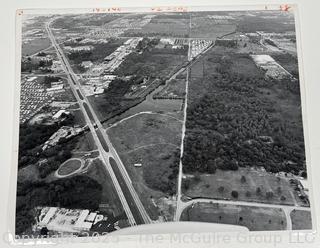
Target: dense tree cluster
x=31, y=139
x=97, y=54
x=49, y=79
x=234, y=125
x=78, y=192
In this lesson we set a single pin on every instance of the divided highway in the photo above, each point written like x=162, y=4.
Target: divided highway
x=130, y=201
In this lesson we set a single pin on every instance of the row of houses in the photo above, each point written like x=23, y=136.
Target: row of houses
x=32, y=98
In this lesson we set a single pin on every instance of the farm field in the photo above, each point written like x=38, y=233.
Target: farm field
x=254, y=218
x=222, y=183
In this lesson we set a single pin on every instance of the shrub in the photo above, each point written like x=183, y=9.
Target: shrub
x=234, y=194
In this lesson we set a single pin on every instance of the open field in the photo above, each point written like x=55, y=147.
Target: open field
x=155, y=180
x=222, y=183
x=109, y=197
x=151, y=142
x=174, y=89
x=105, y=112
x=35, y=46
x=205, y=27
x=146, y=129
x=168, y=25
x=268, y=21
x=69, y=166
x=289, y=62
x=78, y=117
x=87, y=20
x=301, y=220
x=254, y=218
x=85, y=143
x=155, y=63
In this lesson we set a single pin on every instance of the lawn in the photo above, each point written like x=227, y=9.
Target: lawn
x=210, y=186
x=254, y=218
x=301, y=220
x=69, y=166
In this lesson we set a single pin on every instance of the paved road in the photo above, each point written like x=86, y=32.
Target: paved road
x=178, y=207
x=92, y=121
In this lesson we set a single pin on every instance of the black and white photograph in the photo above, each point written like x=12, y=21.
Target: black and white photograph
x=167, y=115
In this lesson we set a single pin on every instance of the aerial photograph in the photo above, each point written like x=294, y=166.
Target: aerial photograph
x=145, y=117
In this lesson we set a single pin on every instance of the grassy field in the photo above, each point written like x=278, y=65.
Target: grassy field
x=157, y=63
x=209, y=186
x=85, y=143
x=152, y=141
x=153, y=178
x=78, y=117
x=301, y=220
x=146, y=129
x=69, y=166
x=203, y=27
x=175, y=89
x=254, y=218
x=164, y=26
x=34, y=46
x=109, y=197
x=104, y=113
